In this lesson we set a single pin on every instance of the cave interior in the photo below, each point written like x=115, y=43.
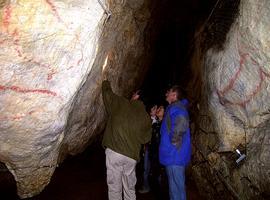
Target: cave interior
x=173, y=30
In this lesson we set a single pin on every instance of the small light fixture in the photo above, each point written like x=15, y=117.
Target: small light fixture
x=241, y=156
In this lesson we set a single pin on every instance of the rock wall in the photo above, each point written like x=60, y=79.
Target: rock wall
x=122, y=60
x=54, y=55
x=233, y=108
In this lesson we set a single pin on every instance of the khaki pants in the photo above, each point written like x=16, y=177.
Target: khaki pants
x=121, y=176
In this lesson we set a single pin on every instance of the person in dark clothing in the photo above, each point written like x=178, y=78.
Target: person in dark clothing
x=151, y=161
x=155, y=141
x=156, y=175
x=146, y=161
x=127, y=128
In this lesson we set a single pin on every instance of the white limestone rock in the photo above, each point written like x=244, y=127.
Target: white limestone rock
x=53, y=57
x=47, y=51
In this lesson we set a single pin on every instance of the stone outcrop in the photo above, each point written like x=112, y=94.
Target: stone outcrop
x=233, y=109
x=54, y=55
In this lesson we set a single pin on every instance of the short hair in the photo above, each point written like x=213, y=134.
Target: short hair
x=178, y=90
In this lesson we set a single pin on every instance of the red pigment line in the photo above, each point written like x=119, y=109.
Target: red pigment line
x=31, y=112
x=20, y=116
x=19, y=53
x=23, y=90
x=16, y=47
x=17, y=117
x=81, y=59
x=232, y=81
x=2, y=87
x=16, y=42
x=254, y=93
x=3, y=118
x=265, y=73
x=250, y=96
x=13, y=118
x=78, y=41
x=6, y=16
x=260, y=68
x=50, y=75
x=70, y=67
x=39, y=63
x=29, y=59
x=53, y=7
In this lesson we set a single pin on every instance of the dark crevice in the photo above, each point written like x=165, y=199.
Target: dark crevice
x=172, y=28
x=219, y=23
x=7, y=183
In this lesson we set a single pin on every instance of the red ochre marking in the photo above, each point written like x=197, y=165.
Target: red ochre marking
x=20, y=53
x=17, y=116
x=31, y=112
x=262, y=75
x=6, y=16
x=50, y=75
x=81, y=59
x=38, y=63
x=53, y=7
x=15, y=35
x=249, y=97
x=24, y=90
x=236, y=75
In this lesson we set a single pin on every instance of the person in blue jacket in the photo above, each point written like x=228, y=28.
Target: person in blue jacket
x=175, y=144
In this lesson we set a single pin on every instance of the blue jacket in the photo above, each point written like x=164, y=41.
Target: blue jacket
x=175, y=143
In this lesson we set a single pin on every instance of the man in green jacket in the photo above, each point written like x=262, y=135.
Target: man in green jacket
x=128, y=127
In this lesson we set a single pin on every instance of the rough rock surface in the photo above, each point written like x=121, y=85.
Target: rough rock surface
x=234, y=108
x=54, y=55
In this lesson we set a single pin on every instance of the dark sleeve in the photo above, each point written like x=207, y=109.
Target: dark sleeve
x=146, y=129
x=148, y=133
x=108, y=96
x=180, y=125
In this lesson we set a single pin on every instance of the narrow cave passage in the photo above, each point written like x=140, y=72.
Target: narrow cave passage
x=174, y=25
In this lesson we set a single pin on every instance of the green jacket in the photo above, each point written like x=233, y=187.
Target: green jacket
x=128, y=126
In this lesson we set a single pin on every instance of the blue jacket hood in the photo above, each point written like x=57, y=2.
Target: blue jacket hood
x=185, y=102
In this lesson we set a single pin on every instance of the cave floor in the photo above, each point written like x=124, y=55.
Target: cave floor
x=83, y=177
